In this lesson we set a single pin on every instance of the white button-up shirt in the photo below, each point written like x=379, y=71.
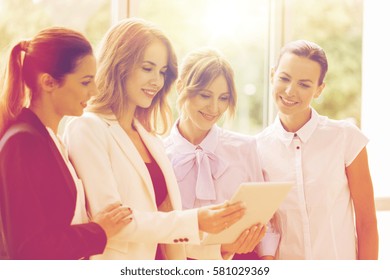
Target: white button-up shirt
x=80, y=213
x=211, y=172
x=316, y=220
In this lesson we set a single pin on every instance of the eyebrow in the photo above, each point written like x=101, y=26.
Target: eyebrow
x=209, y=91
x=88, y=76
x=303, y=80
x=154, y=64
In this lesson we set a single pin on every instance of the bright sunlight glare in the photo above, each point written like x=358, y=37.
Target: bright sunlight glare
x=222, y=18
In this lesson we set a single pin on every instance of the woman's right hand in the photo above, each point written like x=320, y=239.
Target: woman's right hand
x=215, y=218
x=113, y=218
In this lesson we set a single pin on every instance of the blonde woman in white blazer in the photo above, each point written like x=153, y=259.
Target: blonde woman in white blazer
x=119, y=158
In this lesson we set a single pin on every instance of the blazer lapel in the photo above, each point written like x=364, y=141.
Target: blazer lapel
x=131, y=152
x=157, y=150
x=64, y=169
x=29, y=117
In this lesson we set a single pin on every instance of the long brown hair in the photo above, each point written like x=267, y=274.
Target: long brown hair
x=121, y=50
x=55, y=51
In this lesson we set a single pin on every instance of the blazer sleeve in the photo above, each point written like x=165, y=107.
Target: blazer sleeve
x=204, y=252
x=31, y=229
x=90, y=148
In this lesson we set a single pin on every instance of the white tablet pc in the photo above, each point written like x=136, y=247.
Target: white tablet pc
x=262, y=199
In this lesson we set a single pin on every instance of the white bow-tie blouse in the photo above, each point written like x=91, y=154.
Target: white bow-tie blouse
x=211, y=172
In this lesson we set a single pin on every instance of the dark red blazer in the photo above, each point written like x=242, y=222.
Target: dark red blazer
x=38, y=198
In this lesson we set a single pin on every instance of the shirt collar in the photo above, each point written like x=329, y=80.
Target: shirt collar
x=304, y=133
x=209, y=143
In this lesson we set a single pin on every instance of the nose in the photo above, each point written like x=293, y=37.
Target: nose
x=213, y=106
x=290, y=89
x=158, y=79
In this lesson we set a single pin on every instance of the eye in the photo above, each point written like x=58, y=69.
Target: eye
x=147, y=69
x=224, y=98
x=284, y=79
x=304, y=85
x=204, y=95
x=85, y=83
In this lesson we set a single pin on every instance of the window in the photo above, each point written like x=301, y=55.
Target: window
x=238, y=28
x=91, y=17
x=337, y=27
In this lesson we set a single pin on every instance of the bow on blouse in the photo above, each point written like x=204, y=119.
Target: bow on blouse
x=209, y=167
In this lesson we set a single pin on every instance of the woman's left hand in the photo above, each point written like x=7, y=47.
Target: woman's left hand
x=246, y=242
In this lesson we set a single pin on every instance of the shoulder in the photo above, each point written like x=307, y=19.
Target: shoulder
x=21, y=132
x=234, y=142
x=88, y=122
x=268, y=131
x=89, y=129
x=87, y=119
x=234, y=138
x=22, y=141
x=168, y=141
x=337, y=126
x=267, y=134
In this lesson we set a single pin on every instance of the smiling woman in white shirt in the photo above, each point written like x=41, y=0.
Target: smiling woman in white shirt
x=330, y=212
x=210, y=162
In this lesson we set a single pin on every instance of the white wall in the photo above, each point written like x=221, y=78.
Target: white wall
x=376, y=91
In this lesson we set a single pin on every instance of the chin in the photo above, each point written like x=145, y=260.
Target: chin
x=78, y=113
x=145, y=105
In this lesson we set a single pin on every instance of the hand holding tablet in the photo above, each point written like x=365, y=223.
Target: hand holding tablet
x=261, y=200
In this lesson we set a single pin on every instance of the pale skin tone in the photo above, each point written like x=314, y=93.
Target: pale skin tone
x=295, y=85
x=57, y=99
x=142, y=85
x=201, y=112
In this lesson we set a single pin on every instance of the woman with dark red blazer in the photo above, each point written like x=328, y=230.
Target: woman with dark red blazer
x=42, y=201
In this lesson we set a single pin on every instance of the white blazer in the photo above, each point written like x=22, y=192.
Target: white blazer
x=111, y=169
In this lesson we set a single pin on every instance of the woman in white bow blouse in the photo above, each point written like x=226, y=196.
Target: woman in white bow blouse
x=210, y=162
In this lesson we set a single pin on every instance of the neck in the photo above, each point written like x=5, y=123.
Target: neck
x=292, y=123
x=46, y=113
x=126, y=119
x=191, y=133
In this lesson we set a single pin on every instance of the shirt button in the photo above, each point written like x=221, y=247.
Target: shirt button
x=181, y=239
x=298, y=147
x=295, y=135
x=175, y=240
x=186, y=239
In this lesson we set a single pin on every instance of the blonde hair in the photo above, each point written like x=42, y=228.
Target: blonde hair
x=122, y=48
x=199, y=69
x=55, y=50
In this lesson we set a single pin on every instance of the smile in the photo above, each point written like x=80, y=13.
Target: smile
x=208, y=117
x=150, y=92
x=288, y=102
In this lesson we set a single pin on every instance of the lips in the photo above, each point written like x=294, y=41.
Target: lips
x=287, y=102
x=150, y=92
x=208, y=117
